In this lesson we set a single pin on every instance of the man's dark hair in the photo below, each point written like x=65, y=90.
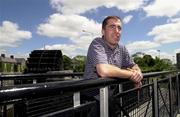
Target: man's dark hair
x=105, y=21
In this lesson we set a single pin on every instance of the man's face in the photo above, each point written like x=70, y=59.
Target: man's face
x=112, y=32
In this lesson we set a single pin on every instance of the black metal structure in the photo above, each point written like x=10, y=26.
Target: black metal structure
x=178, y=60
x=159, y=97
x=41, y=61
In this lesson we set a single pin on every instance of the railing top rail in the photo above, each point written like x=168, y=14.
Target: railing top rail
x=51, y=88
x=38, y=75
x=153, y=74
x=61, y=74
x=59, y=87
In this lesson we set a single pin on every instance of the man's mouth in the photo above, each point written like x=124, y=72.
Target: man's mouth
x=117, y=36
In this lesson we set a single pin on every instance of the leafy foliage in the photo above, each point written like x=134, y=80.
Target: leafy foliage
x=77, y=64
x=67, y=62
x=148, y=64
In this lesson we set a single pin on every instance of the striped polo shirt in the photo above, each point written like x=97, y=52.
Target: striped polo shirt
x=100, y=52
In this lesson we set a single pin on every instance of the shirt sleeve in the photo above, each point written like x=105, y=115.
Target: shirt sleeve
x=97, y=53
x=128, y=61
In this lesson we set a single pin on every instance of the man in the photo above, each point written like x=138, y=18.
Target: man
x=107, y=58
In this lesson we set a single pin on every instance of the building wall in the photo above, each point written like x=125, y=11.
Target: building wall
x=1, y=67
x=178, y=60
x=11, y=65
x=7, y=67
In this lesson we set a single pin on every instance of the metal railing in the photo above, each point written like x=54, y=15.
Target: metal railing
x=158, y=97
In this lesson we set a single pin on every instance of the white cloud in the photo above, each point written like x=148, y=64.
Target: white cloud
x=170, y=20
x=2, y=50
x=19, y=54
x=166, y=33
x=11, y=36
x=78, y=29
x=142, y=45
x=69, y=26
x=177, y=50
x=167, y=8
x=154, y=53
x=82, y=6
x=127, y=5
x=67, y=49
x=127, y=19
x=78, y=48
x=163, y=55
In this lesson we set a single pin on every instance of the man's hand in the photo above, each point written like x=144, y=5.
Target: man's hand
x=136, y=76
x=138, y=85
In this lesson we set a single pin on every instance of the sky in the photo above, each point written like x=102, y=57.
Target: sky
x=71, y=25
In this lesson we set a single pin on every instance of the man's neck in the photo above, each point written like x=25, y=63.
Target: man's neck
x=112, y=46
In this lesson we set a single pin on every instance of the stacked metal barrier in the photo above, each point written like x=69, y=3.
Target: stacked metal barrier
x=158, y=97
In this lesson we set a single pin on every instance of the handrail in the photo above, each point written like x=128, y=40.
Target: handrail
x=60, y=74
x=51, y=88
x=38, y=75
x=153, y=74
x=59, y=87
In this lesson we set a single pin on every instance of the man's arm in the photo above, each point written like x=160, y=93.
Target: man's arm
x=136, y=67
x=107, y=70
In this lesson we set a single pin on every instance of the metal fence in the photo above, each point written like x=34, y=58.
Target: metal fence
x=158, y=97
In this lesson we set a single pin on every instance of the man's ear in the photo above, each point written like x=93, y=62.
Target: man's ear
x=102, y=31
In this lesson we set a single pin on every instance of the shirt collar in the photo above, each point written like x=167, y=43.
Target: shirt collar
x=108, y=47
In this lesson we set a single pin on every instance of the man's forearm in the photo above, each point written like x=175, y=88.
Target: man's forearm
x=136, y=67
x=107, y=70
x=111, y=71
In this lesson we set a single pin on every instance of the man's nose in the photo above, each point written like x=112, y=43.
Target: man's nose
x=117, y=29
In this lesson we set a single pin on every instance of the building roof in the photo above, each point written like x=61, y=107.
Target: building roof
x=7, y=60
x=20, y=60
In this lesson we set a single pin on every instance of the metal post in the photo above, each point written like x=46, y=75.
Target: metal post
x=5, y=111
x=155, y=99
x=1, y=83
x=170, y=97
x=76, y=99
x=104, y=102
x=120, y=91
x=178, y=95
x=34, y=81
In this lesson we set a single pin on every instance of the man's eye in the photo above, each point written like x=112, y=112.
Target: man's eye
x=113, y=26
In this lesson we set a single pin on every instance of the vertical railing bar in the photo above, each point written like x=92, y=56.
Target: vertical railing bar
x=121, y=99
x=155, y=99
x=170, y=97
x=104, y=111
x=34, y=81
x=76, y=99
x=1, y=82
x=5, y=111
x=178, y=91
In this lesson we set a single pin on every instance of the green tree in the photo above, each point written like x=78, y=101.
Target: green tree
x=67, y=62
x=148, y=64
x=163, y=64
x=79, y=63
x=148, y=60
x=139, y=61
